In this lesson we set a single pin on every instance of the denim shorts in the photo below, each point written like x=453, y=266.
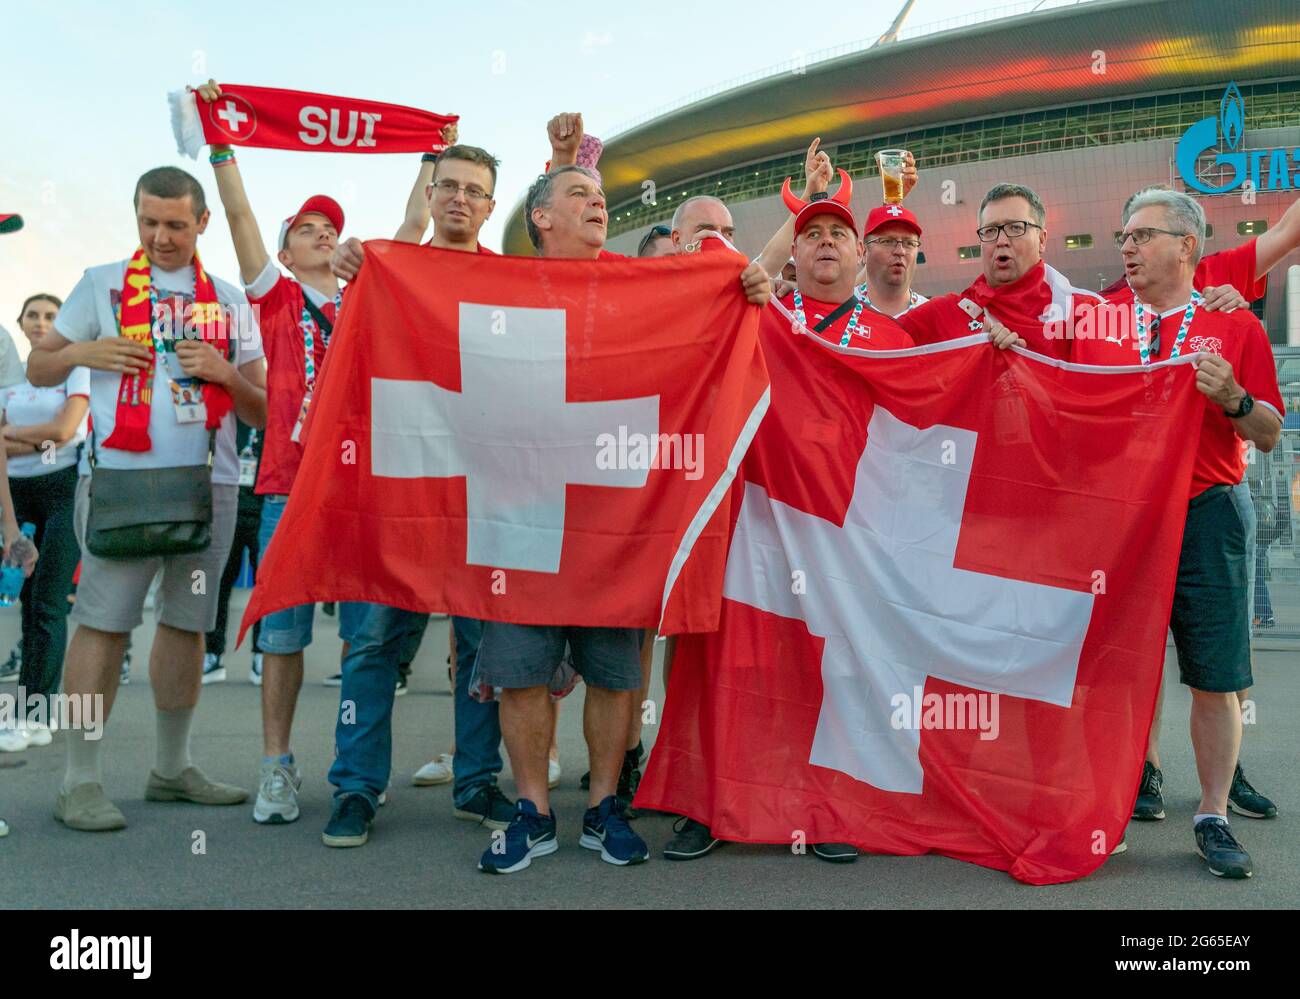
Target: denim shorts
x=527, y=655
x=287, y=631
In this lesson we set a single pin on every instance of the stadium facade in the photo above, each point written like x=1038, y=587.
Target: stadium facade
x=1084, y=103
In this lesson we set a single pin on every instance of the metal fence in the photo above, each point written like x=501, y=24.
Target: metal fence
x=1274, y=481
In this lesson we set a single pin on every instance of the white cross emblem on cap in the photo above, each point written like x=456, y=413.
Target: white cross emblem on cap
x=894, y=210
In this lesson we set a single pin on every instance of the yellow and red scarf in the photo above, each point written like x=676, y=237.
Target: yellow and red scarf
x=135, y=320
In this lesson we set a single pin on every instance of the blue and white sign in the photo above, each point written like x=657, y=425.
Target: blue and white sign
x=1265, y=169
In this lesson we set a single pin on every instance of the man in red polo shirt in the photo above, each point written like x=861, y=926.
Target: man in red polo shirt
x=1161, y=242
x=296, y=316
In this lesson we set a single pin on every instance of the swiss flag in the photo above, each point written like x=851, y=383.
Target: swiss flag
x=944, y=608
x=525, y=440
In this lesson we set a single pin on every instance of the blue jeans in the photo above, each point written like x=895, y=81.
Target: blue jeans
x=363, y=734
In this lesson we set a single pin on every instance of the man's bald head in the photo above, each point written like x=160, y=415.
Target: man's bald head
x=697, y=215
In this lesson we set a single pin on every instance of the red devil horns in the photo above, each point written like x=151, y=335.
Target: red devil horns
x=843, y=196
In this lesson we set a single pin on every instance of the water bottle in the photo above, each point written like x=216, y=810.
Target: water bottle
x=11, y=570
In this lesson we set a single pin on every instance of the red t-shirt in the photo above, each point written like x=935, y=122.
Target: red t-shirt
x=1235, y=267
x=279, y=315
x=875, y=330
x=1240, y=340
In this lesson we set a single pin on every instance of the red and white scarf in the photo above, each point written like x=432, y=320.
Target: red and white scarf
x=292, y=119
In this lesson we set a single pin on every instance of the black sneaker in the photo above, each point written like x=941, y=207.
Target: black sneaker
x=693, y=839
x=401, y=685
x=1245, y=800
x=333, y=680
x=12, y=666
x=836, y=853
x=489, y=807
x=349, y=825
x=1224, y=856
x=1150, y=804
x=584, y=781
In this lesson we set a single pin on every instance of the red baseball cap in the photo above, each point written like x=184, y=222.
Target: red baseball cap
x=317, y=204
x=890, y=213
x=822, y=203
x=10, y=223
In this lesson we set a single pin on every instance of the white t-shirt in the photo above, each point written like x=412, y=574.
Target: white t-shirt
x=11, y=365
x=90, y=313
x=26, y=405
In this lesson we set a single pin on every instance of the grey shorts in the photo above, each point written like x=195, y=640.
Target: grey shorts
x=111, y=592
x=527, y=655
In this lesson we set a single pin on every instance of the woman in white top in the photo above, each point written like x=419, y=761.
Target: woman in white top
x=43, y=429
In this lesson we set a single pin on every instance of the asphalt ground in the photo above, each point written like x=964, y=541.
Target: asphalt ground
x=420, y=856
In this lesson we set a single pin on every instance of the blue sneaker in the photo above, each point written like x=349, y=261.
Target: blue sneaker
x=605, y=828
x=529, y=835
x=349, y=825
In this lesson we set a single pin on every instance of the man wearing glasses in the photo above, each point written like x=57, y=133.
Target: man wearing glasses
x=1163, y=232
x=1016, y=287
x=892, y=240
x=454, y=189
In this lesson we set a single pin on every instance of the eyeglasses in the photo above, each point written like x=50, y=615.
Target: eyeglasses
x=989, y=233
x=656, y=232
x=1143, y=235
x=894, y=243
x=449, y=188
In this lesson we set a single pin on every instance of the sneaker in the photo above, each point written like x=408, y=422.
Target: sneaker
x=693, y=839
x=1121, y=846
x=1266, y=622
x=86, y=807
x=1224, y=856
x=125, y=677
x=489, y=807
x=13, y=739
x=400, y=690
x=605, y=828
x=1244, y=799
x=4, y=828
x=277, y=794
x=193, y=785
x=38, y=733
x=349, y=824
x=584, y=781
x=436, y=771
x=553, y=773
x=1150, y=804
x=836, y=853
x=527, y=836
x=336, y=680
x=255, y=670
x=11, y=667
x=213, y=671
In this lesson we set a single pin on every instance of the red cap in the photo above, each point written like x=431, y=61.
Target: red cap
x=890, y=213
x=317, y=204
x=10, y=223
x=821, y=204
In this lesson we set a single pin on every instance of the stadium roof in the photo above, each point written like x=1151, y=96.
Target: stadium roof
x=1066, y=55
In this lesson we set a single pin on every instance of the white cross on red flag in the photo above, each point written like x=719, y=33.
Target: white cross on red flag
x=945, y=606
x=535, y=441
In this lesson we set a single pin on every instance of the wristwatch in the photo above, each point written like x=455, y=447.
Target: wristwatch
x=429, y=158
x=1247, y=404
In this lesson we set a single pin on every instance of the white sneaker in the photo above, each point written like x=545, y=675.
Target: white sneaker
x=277, y=794
x=552, y=773
x=436, y=771
x=4, y=828
x=255, y=671
x=38, y=733
x=13, y=739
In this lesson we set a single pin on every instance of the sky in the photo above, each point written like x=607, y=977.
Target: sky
x=85, y=112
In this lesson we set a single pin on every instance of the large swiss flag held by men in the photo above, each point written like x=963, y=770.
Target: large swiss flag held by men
x=945, y=607
x=525, y=440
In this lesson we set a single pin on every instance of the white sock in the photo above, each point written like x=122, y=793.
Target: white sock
x=173, y=741
x=1196, y=819
x=83, y=760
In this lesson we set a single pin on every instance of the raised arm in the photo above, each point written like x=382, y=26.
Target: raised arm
x=818, y=172
x=418, y=207
x=1278, y=241
x=250, y=251
x=565, y=133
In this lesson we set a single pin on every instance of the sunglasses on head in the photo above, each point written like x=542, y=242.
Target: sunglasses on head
x=656, y=232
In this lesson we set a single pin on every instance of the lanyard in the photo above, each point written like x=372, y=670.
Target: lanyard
x=848, y=330
x=309, y=329
x=861, y=292
x=1144, y=348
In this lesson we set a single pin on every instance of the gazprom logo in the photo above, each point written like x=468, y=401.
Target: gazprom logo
x=1278, y=168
